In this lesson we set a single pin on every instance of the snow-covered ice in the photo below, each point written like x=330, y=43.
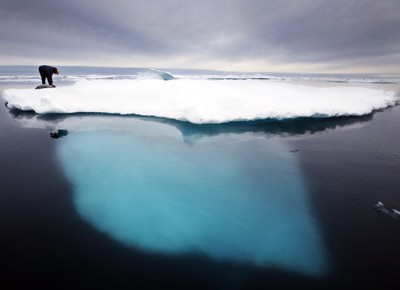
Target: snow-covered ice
x=202, y=100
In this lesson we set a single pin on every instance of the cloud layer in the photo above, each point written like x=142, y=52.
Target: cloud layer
x=255, y=35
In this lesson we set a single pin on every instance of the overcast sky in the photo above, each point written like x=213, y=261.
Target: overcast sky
x=235, y=35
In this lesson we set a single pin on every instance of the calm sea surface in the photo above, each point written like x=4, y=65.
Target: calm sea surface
x=128, y=202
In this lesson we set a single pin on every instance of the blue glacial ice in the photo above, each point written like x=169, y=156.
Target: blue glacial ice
x=231, y=197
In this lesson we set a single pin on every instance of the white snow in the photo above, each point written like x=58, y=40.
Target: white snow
x=201, y=100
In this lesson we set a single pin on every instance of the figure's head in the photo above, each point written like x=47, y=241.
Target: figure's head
x=56, y=71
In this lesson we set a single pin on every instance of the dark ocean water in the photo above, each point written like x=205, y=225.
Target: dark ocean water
x=344, y=166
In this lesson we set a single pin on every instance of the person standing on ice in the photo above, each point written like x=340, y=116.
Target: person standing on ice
x=46, y=72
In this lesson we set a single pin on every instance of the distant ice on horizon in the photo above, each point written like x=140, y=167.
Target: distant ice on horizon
x=202, y=101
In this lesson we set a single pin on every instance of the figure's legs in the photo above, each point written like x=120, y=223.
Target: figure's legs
x=43, y=76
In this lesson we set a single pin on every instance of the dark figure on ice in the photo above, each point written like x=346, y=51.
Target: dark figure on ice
x=46, y=72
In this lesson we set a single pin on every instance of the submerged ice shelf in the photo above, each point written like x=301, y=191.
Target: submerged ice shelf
x=232, y=197
x=234, y=194
x=201, y=100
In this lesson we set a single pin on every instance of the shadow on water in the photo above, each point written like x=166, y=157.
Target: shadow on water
x=282, y=128
x=191, y=132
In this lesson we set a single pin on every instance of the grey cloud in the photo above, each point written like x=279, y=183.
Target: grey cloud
x=323, y=30
x=285, y=31
x=63, y=27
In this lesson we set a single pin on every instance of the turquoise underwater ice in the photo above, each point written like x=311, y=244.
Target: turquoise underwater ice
x=233, y=197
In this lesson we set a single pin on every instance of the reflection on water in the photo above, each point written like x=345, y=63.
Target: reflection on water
x=225, y=191
x=190, y=132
